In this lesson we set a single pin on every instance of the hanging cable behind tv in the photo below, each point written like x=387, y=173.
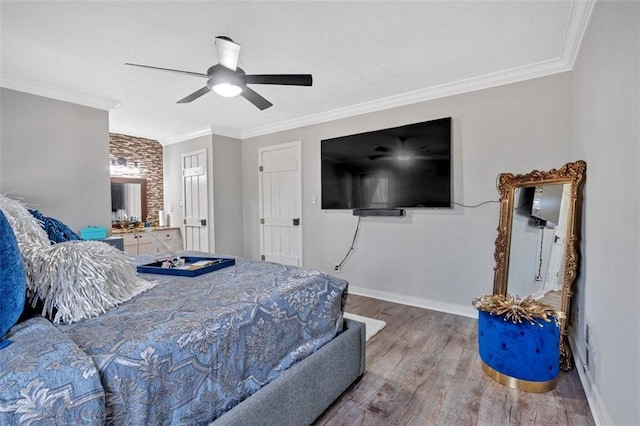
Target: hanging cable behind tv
x=339, y=266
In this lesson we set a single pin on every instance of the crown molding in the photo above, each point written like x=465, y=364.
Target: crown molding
x=181, y=137
x=577, y=24
x=487, y=81
x=541, y=69
x=130, y=132
x=225, y=131
x=204, y=131
x=35, y=88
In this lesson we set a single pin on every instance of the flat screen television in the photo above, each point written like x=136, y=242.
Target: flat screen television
x=400, y=167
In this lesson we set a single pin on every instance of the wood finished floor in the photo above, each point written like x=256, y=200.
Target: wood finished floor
x=423, y=368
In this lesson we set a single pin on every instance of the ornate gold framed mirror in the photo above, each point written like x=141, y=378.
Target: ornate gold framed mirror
x=536, y=249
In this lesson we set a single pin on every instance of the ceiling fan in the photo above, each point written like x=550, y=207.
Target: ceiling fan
x=228, y=80
x=403, y=153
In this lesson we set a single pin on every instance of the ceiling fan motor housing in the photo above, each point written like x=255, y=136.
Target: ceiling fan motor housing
x=221, y=75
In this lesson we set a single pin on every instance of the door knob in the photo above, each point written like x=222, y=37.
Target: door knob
x=296, y=221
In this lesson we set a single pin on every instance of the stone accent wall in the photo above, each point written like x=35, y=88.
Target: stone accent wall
x=148, y=154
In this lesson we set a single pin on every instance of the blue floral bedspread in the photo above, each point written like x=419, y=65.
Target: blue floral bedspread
x=190, y=349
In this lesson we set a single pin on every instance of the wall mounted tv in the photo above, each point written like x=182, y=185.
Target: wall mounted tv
x=406, y=166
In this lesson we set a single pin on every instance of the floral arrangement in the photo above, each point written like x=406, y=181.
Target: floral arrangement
x=515, y=308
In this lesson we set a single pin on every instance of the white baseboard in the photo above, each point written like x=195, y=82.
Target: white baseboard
x=598, y=410
x=417, y=302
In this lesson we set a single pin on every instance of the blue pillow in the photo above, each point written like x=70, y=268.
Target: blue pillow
x=13, y=282
x=57, y=231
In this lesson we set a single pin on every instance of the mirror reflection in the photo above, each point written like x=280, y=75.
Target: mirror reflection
x=128, y=202
x=538, y=242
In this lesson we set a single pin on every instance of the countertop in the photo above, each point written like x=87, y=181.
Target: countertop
x=118, y=231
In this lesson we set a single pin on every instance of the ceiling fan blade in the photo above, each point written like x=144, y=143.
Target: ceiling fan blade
x=382, y=149
x=255, y=99
x=282, y=79
x=228, y=52
x=197, y=74
x=195, y=95
x=377, y=157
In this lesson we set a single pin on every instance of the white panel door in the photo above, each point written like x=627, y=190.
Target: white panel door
x=280, y=199
x=194, y=190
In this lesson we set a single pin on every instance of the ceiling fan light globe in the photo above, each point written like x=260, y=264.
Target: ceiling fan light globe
x=227, y=90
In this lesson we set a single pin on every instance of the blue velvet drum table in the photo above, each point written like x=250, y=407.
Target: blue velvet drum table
x=522, y=355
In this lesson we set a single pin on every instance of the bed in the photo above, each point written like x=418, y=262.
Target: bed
x=253, y=343
x=203, y=344
x=262, y=342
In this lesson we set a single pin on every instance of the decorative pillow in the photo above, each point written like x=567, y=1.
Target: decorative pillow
x=57, y=231
x=13, y=284
x=80, y=279
x=75, y=279
x=26, y=228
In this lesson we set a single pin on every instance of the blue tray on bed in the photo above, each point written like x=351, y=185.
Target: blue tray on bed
x=217, y=263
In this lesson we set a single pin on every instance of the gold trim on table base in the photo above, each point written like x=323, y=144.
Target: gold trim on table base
x=523, y=385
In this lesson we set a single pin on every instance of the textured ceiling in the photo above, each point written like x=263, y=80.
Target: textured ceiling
x=363, y=56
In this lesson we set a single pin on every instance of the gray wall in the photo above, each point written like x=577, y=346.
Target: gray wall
x=440, y=259
x=227, y=178
x=224, y=181
x=56, y=155
x=606, y=111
